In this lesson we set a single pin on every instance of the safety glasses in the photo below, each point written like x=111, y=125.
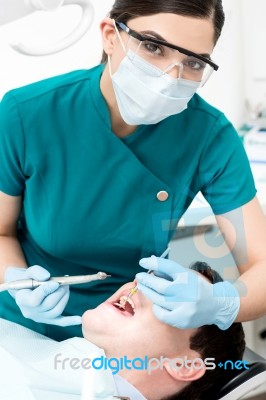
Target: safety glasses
x=166, y=56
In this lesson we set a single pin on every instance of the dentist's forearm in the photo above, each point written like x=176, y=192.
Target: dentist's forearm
x=253, y=302
x=11, y=254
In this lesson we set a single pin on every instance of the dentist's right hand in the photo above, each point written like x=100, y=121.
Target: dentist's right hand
x=44, y=304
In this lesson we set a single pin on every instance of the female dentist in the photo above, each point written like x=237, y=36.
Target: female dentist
x=98, y=166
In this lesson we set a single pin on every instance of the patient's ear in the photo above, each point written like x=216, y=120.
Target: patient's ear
x=184, y=370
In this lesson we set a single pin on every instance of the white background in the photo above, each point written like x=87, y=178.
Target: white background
x=242, y=73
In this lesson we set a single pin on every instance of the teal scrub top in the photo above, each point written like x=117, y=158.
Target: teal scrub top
x=90, y=198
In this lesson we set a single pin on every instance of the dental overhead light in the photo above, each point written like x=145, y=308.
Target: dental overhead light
x=12, y=10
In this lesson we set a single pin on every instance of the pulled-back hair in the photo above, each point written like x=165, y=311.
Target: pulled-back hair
x=210, y=341
x=124, y=10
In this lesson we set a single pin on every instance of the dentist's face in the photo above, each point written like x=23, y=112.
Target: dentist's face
x=194, y=34
x=135, y=331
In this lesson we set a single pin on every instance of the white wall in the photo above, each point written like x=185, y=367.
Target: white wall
x=43, y=28
x=255, y=52
x=242, y=58
x=225, y=89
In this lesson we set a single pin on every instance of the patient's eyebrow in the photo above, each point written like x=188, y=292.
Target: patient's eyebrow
x=158, y=36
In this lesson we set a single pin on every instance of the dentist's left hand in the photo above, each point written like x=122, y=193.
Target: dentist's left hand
x=185, y=299
x=44, y=304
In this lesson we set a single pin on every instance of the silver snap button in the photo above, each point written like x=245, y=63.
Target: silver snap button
x=162, y=195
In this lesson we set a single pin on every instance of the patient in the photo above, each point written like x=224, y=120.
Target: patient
x=137, y=333
x=113, y=332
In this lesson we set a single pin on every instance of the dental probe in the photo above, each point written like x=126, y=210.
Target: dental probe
x=135, y=289
x=62, y=280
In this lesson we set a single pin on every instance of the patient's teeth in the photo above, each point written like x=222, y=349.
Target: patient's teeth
x=122, y=303
x=124, y=300
x=131, y=303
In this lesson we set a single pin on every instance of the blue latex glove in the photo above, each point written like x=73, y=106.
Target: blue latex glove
x=44, y=304
x=185, y=299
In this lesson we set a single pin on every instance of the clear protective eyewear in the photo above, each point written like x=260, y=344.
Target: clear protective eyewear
x=166, y=56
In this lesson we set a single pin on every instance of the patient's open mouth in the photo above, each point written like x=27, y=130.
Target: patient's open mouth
x=125, y=305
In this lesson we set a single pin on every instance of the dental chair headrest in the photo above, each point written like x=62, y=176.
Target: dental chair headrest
x=243, y=381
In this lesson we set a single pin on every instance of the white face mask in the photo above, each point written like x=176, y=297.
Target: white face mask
x=144, y=95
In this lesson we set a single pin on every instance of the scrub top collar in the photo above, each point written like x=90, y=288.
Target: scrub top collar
x=124, y=388
x=97, y=97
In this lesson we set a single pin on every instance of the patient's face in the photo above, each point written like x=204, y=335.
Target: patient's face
x=135, y=333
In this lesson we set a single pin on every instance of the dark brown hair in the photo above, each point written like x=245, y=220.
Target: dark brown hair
x=210, y=341
x=124, y=10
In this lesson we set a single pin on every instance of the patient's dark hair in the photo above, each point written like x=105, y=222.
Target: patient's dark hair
x=124, y=10
x=210, y=341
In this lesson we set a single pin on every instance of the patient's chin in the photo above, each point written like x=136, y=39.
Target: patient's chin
x=94, y=326
x=90, y=324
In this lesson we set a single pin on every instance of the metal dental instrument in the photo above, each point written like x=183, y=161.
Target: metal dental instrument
x=135, y=289
x=62, y=280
